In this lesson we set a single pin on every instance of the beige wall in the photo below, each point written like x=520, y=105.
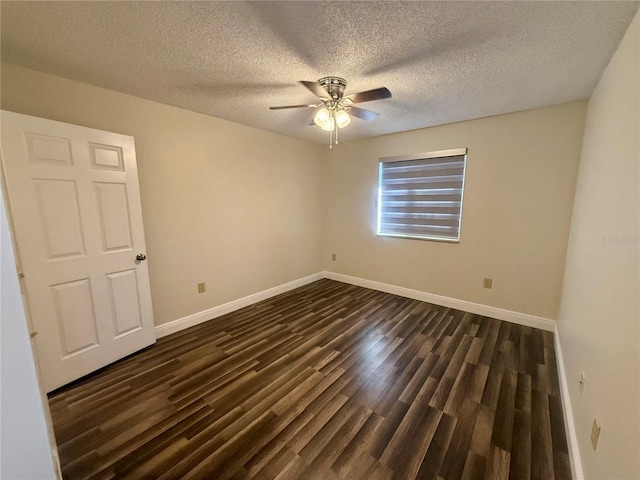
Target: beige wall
x=599, y=322
x=234, y=206
x=519, y=187
x=288, y=204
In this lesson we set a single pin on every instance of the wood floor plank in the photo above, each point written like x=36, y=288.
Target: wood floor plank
x=432, y=461
x=503, y=425
x=328, y=381
x=520, y=467
x=498, y=464
x=474, y=467
x=458, y=448
x=418, y=428
x=562, y=467
x=542, y=466
x=482, y=432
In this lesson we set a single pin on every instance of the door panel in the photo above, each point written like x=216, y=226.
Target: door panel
x=61, y=224
x=48, y=150
x=123, y=287
x=114, y=216
x=75, y=205
x=76, y=316
x=106, y=157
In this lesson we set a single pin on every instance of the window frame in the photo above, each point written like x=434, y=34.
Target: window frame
x=454, y=152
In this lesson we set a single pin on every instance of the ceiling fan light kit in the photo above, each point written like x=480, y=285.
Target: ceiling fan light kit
x=335, y=107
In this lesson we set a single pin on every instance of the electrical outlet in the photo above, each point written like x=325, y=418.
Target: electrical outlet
x=487, y=283
x=202, y=287
x=333, y=257
x=583, y=378
x=595, y=433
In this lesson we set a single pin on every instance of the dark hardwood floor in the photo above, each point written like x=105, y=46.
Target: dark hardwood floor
x=325, y=382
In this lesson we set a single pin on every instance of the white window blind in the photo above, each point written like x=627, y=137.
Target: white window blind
x=420, y=196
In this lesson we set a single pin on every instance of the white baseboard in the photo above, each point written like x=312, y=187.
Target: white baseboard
x=477, y=308
x=569, y=424
x=494, y=312
x=191, y=320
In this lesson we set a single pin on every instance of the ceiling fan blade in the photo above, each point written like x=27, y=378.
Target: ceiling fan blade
x=366, y=115
x=316, y=89
x=291, y=106
x=375, y=94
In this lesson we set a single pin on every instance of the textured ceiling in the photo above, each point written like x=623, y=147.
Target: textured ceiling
x=443, y=61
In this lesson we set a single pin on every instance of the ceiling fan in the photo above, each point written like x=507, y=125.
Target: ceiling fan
x=335, y=107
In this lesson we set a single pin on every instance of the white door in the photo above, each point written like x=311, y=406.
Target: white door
x=75, y=205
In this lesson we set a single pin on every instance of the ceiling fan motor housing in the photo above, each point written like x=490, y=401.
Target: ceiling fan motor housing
x=335, y=86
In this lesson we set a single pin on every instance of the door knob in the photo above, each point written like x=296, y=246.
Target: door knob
x=140, y=257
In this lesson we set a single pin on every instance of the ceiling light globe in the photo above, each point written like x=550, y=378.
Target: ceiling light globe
x=322, y=117
x=329, y=125
x=342, y=118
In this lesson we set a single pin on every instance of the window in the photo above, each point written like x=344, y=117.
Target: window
x=420, y=196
